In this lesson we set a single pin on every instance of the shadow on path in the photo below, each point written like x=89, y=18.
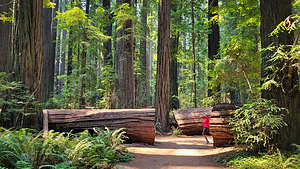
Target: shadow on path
x=185, y=152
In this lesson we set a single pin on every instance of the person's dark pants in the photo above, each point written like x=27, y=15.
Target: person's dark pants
x=205, y=131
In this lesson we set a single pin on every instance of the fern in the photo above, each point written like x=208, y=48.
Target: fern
x=256, y=124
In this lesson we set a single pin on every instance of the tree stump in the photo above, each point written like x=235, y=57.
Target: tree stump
x=138, y=123
x=188, y=120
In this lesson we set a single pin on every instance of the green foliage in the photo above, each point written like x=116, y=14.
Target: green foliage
x=4, y=17
x=16, y=102
x=176, y=131
x=241, y=159
x=290, y=24
x=108, y=80
x=26, y=149
x=48, y=4
x=72, y=17
x=123, y=13
x=239, y=68
x=256, y=124
x=294, y=160
x=282, y=63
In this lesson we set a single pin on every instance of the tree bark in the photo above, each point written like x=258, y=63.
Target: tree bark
x=107, y=52
x=27, y=50
x=189, y=121
x=82, y=100
x=60, y=53
x=213, y=39
x=5, y=36
x=162, y=93
x=287, y=95
x=138, y=123
x=49, y=35
x=174, y=101
x=143, y=87
x=194, y=57
x=70, y=56
x=125, y=64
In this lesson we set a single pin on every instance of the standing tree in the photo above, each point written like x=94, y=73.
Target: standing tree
x=143, y=86
x=82, y=100
x=162, y=93
x=194, y=56
x=124, y=55
x=107, y=52
x=5, y=29
x=213, y=37
x=286, y=94
x=27, y=47
x=49, y=35
x=174, y=101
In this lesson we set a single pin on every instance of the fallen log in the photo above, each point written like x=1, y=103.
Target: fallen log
x=188, y=120
x=138, y=123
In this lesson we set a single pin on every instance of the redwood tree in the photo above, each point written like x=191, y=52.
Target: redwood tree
x=49, y=36
x=124, y=55
x=107, y=52
x=287, y=94
x=213, y=38
x=174, y=40
x=162, y=93
x=27, y=48
x=5, y=29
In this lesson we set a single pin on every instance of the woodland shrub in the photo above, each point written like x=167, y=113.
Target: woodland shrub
x=15, y=102
x=256, y=124
x=247, y=159
x=25, y=148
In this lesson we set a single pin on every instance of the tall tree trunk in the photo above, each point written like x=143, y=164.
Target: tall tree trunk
x=27, y=48
x=194, y=57
x=143, y=89
x=107, y=45
x=82, y=101
x=213, y=39
x=49, y=35
x=5, y=37
x=287, y=95
x=70, y=57
x=70, y=54
x=149, y=62
x=60, y=53
x=124, y=54
x=162, y=93
x=174, y=101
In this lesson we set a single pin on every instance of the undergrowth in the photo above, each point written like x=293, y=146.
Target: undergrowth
x=246, y=159
x=26, y=149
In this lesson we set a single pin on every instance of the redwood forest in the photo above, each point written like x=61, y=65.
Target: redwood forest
x=149, y=84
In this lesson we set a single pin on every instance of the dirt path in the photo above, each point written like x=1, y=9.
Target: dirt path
x=168, y=152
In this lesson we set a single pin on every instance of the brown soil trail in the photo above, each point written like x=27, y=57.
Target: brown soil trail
x=169, y=152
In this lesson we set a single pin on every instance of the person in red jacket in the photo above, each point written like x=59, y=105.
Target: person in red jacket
x=205, y=127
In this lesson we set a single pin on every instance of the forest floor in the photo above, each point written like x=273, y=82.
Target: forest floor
x=171, y=152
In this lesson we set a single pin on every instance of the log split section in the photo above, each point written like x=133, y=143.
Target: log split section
x=219, y=127
x=188, y=120
x=138, y=123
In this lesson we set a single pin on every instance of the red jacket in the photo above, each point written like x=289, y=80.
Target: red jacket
x=206, y=121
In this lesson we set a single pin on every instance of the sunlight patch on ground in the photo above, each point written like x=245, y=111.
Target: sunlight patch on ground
x=180, y=152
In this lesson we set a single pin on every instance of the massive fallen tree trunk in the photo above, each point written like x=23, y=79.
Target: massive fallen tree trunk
x=189, y=121
x=138, y=123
